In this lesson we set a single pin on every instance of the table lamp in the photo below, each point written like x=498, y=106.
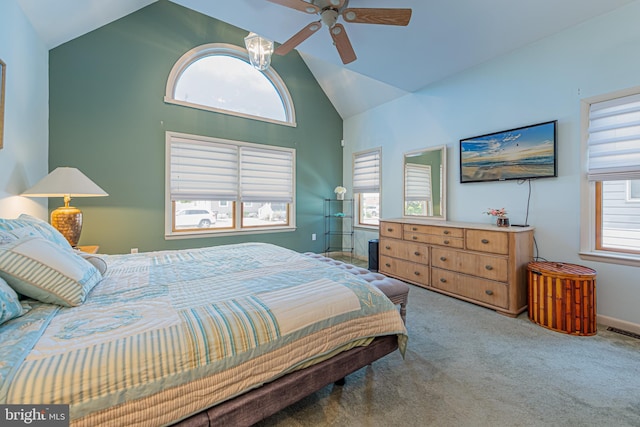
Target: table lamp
x=66, y=182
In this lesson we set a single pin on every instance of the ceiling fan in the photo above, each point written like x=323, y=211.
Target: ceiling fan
x=329, y=12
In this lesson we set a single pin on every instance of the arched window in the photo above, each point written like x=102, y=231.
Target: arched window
x=218, y=77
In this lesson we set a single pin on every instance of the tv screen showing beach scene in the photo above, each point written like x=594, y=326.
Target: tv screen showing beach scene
x=528, y=152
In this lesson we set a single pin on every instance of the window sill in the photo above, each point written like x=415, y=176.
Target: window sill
x=367, y=227
x=200, y=234
x=611, y=258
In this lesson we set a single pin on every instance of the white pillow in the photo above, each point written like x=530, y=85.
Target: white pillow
x=97, y=261
x=43, y=270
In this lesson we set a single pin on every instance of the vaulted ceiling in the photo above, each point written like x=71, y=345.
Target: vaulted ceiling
x=444, y=37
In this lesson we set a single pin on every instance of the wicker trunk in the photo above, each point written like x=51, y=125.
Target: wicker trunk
x=562, y=297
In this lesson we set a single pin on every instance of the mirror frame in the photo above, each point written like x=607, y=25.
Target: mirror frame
x=443, y=195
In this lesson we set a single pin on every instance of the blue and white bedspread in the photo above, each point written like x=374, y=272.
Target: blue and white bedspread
x=167, y=334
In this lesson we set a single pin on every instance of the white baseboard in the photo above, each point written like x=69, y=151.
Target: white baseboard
x=619, y=324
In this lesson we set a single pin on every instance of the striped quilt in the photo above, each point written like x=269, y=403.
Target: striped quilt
x=167, y=334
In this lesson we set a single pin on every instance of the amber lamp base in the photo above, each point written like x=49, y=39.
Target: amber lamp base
x=68, y=221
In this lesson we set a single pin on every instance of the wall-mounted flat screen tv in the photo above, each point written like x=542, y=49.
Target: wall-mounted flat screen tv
x=527, y=152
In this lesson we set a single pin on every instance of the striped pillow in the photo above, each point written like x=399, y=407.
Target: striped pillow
x=10, y=306
x=42, y=270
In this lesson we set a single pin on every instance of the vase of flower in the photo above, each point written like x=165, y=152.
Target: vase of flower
x=502, y=221
x=340, y=191
x=501, y=216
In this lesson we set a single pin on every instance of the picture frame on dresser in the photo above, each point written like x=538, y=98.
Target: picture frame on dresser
x=3, y=72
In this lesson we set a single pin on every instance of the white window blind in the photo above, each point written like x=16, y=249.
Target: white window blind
x=366, y=172
x=614, y=139
x=227, y=171
x=203, y=170
x=266, y=175
x=417, y=180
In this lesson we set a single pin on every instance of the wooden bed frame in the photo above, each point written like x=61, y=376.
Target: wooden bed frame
x=259, y=403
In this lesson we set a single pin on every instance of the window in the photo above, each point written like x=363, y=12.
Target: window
x=218, y=77
x=633, y=190
x=418, y=190
x=366, y=187
x=219, y=186
x=613, y=158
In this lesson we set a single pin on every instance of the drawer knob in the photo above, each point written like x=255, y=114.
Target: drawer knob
x=443, y=280
x=488, y=292
x=388, y=265
x=414, y=237
x=488, y=267
x=389, y=229
x=485, y=241
x=446, y=231
x=387, y=247
x=443, y=258
x=416, y=253
x=446, y=242
x=417, y=273
x=414, y=228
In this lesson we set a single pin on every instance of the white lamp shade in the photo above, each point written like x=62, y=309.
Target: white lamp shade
x=63, y=182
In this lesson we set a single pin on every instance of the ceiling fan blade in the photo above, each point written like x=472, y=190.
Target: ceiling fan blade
x=298, y=38
x=341, y=40
x=300, y=5
x=377, y=16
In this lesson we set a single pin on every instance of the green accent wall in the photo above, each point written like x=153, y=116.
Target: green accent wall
x=108, y=118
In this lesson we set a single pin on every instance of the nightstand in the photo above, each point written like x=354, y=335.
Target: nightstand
x=91, y=249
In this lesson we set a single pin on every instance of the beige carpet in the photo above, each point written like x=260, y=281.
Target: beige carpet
x=469, y=366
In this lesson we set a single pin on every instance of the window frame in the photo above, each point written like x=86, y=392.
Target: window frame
x=591, y=247
x=225, y=49
x=358, y=195
x=630, y=198
x=237, y=204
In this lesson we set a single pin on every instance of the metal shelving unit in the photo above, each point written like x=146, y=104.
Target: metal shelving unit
x=338, y=226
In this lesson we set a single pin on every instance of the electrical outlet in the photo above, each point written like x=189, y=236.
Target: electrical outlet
x=134, y=250
x=313, y=236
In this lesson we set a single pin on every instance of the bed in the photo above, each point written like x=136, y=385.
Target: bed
x=191, y=336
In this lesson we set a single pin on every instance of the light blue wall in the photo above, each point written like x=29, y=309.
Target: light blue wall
x=544, y=81
x=23, y=160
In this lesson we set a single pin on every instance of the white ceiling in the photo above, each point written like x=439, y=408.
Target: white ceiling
x=444, y=37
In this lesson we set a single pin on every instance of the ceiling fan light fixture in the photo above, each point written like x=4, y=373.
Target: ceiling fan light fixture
x=260, y=51
x=350, y=16
x=329, y=17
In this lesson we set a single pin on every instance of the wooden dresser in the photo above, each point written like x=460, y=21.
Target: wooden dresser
x=480, y=263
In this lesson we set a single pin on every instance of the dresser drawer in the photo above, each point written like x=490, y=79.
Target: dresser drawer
x=488, y=241
x=391, y=229
x=486, y=266
x=410, y=271
x=483, y=290
x=414, y=252
x=444, y=258
x=453, y=242
x=432, y=229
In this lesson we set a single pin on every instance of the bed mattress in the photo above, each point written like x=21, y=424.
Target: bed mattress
x=167, y=334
